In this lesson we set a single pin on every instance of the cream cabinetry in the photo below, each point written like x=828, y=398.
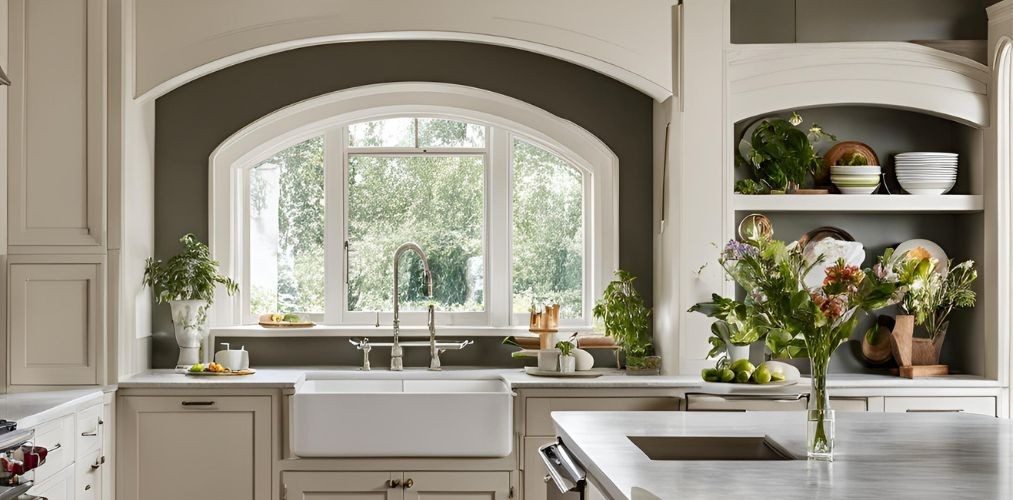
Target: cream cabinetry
x=464, y=485
x=984, y=405
x=56, y=124
x=57, y=315
x=76, y=465
x=194, y=447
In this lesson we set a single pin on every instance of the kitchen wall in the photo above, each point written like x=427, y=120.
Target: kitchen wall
x=192, y=120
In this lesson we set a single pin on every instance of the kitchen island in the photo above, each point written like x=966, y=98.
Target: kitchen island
x=912, y=455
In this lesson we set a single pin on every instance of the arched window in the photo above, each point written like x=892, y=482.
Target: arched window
x=514, y=207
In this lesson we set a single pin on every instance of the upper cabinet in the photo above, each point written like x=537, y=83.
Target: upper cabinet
x=56, y=124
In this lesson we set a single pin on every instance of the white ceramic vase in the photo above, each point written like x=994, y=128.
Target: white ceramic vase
x=190, y=322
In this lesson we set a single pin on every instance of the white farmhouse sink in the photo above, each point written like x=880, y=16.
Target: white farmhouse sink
x=397, y=414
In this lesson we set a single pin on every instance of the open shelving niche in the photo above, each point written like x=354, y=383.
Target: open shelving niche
x=896, y=97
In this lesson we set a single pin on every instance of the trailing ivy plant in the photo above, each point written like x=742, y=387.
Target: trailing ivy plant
x=190, y=275
x=781, y=154
x=626, y=318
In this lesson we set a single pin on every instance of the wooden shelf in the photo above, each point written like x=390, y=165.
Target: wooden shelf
x=872, y=203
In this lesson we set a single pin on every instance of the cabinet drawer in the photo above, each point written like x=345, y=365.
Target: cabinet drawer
x=58, y=437
x=88, y=481
x=539, y=422
x=60, y=486
x=89, y=430
x=715, y=402
x=983, y=405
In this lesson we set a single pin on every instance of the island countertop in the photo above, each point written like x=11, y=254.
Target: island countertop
x=877, y=455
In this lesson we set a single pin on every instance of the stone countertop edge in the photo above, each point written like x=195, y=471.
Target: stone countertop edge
x=289, y=377
x=877, y=455
x=30, y=409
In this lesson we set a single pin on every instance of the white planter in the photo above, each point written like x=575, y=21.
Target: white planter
x=567, y=364
x=548, y=360
x=736, y=352
x=191, y=329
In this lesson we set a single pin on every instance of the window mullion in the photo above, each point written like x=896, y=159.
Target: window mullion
x=498, y=285
x=334, y=224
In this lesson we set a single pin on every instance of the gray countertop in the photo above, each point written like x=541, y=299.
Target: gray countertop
x=877, y=455
x=288, y=378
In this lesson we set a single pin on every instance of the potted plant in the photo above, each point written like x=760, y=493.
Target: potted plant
x=567, y=362
x=933, y=295
x=799, y=320
x=627, y=320
x=781, y=155
x=187, y=282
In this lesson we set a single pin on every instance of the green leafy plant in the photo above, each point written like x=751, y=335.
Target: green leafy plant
x=565, y=347
x=749, y=186
x=190, y=275
x=781, y=154
x=626, y=318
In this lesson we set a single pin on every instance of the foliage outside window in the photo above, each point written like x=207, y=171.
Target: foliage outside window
x=422, y=179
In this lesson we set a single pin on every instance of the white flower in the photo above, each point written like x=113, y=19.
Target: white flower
x=795, y=119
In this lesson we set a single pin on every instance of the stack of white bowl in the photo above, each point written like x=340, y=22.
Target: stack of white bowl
x=926, y=173
x=855, y=179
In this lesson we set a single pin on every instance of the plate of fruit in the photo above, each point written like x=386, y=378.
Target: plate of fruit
x=743, y=376
x=283, y=320
x=214, y=369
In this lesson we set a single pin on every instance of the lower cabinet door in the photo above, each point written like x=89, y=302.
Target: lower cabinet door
x=342, y=485
x=456, y=485
x=89, y=477
x=205, y=447
x=59, y=486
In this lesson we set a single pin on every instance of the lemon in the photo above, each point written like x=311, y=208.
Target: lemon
x=742, y=377
x=762, y=375
x=742, y=365
x=727, y=375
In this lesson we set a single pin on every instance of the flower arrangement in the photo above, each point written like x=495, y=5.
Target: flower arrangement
x=782, y=155
x=932, y=294
x=792, y=318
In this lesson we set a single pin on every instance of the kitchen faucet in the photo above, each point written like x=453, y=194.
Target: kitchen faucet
x=395, y=351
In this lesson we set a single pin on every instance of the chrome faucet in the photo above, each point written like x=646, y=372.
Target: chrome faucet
x=395, y=351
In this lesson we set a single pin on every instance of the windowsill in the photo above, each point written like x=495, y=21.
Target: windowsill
x=382, y=331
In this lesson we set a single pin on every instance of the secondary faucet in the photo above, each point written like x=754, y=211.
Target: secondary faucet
x=396, y=363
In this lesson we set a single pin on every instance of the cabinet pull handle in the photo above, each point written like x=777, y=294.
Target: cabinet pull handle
x=89, y=433
x=98, y=462
x=87, y=487
x=935, y=411
x=198, y=403
x=393, y=483
x=409, y=483
x=55, y=447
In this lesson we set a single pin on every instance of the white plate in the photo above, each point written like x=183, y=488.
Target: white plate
x=934, y=250
x=730, y=388
x=927, y=184
x=920, y=154
x=927, y=191
x=858, y=190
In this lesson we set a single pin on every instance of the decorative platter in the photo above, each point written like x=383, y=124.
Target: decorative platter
x=237, y=373
x=533, y=370
x=287, y=324
x=730, y=388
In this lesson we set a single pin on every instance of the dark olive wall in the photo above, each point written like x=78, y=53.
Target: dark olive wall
x=194, y=119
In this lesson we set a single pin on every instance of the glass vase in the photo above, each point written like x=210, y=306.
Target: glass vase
x=819, y=416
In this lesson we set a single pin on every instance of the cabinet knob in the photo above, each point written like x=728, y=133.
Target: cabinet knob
x=393, y=483
x=409, y=483
x=547, y=478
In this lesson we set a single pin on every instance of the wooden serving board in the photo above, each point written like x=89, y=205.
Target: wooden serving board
x=286, y=324
x=239, y=373
x=924, y=371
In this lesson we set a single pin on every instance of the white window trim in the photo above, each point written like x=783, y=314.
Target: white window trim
x=300, y=121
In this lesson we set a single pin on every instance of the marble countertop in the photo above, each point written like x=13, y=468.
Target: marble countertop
x=32, y=408
x=289, y=377
x=877, y=455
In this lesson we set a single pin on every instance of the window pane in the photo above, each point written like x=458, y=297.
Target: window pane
x=548, y=232
x=393, y=133
x=435, y=201
x=434, y=132
x=287, y=231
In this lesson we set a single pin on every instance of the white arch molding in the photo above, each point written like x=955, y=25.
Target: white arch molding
x=300, y=121
x=998, y=308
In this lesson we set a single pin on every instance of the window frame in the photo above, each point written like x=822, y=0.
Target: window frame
x=506, y=119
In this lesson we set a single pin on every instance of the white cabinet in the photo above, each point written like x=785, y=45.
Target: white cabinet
x=57, y=141
x=201, y=447
x=59, y=487
x=471, y=485
x=56, y=318
x=983, y=405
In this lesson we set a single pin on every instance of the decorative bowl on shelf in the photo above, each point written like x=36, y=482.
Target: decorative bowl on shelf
x=926, y=173
x=860, y=179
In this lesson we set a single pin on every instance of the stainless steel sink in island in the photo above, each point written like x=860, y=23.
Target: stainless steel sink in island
x=636, y=455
